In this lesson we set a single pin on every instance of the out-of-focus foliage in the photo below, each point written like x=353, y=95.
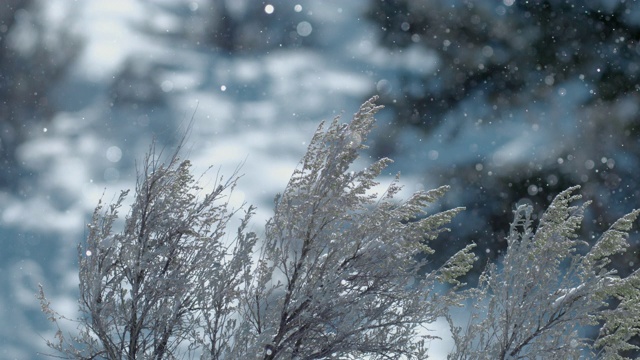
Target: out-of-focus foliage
x=143, y=87
x=232, y=26
x=564, y=73
x=34, y=54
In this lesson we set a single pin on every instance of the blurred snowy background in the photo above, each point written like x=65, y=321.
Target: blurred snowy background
x=507, y=101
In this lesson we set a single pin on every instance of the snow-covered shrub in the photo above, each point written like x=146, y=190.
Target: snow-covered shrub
x=545, y=289
x=169, y=277
x=337, y=273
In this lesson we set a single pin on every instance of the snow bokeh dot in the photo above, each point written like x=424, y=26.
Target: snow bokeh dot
x=304, y=28
x=114, y=154
x=383, y=86
x=166, y=86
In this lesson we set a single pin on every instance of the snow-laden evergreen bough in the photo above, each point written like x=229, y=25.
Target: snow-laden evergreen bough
x=335, y=274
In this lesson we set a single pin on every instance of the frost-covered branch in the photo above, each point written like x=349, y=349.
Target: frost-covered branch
x=534, y=304
x=336, y=273
x=339, y=264
x=169, y=280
